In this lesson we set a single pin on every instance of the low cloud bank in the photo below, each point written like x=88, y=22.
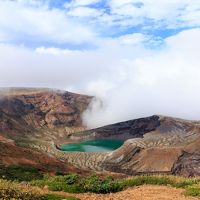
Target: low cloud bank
x=128, y=78
x=165, y=82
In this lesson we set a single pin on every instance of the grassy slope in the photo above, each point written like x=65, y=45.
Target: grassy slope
x=75, y=184
x=14, y=190
x=11, y=176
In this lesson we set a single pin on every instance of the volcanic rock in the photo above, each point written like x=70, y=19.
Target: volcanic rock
x=35, y=122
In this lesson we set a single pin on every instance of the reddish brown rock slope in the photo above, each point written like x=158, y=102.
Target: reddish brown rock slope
x=29, y=116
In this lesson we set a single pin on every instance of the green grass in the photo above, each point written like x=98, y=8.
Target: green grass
x=193, y=190
x=19, y=173
x=75, y=184
x=14, y=190
x=178, y=182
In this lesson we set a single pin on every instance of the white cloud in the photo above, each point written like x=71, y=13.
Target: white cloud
x=84, y=2
x=36, y=23
x=56, y=51
x=132, y=80
x=84, y=12
x=77, y=3
x=172, y=14
x=119, y=3
x=132, y=39
x=31, y=2
x=163, y=82
x=41, y=25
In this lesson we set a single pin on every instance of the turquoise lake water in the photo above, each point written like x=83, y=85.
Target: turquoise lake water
x=93, y=146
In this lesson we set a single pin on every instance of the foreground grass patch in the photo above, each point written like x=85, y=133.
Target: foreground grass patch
x=75, y=184
x=14, y=190
x=178, y=182
x=193, y=190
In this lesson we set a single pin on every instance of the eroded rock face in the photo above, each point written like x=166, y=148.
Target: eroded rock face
x=158, y=150
x=35, y=109
x=31, y=119
x=122, y=130
x=188, y=165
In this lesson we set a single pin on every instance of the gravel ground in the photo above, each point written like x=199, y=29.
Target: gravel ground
x=146, y=192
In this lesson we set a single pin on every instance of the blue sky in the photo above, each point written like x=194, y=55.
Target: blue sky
x=55, y=23
x=139, y=57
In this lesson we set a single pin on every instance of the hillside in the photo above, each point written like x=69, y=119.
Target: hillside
x=37, y=116
x=35, y=122
x=155, y=144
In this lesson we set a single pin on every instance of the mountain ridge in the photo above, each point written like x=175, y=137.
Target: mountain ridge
x=36, y=121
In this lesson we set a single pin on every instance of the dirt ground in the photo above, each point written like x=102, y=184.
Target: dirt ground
x=146, y=192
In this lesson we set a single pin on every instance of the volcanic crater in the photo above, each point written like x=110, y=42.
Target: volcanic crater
x=35, y=122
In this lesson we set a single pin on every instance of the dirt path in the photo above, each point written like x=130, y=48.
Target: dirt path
x=146, y=192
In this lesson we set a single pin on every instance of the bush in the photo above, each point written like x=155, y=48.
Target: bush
x=141, y=180
x=75, y=184
x=68, y=183
x=193, y=190
x=97, y=185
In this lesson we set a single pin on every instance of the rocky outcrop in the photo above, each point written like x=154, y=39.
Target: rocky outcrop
x=23, y=110
x=158, y=150
x=188, y=165
x=122, y=130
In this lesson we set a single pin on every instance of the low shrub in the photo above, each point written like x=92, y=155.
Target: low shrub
x=97, y=185
x=193, y=190
x=13, y=190
x=68, y=183
x=75, y=184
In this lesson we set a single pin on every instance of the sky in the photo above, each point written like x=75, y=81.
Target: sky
x=137, y=57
